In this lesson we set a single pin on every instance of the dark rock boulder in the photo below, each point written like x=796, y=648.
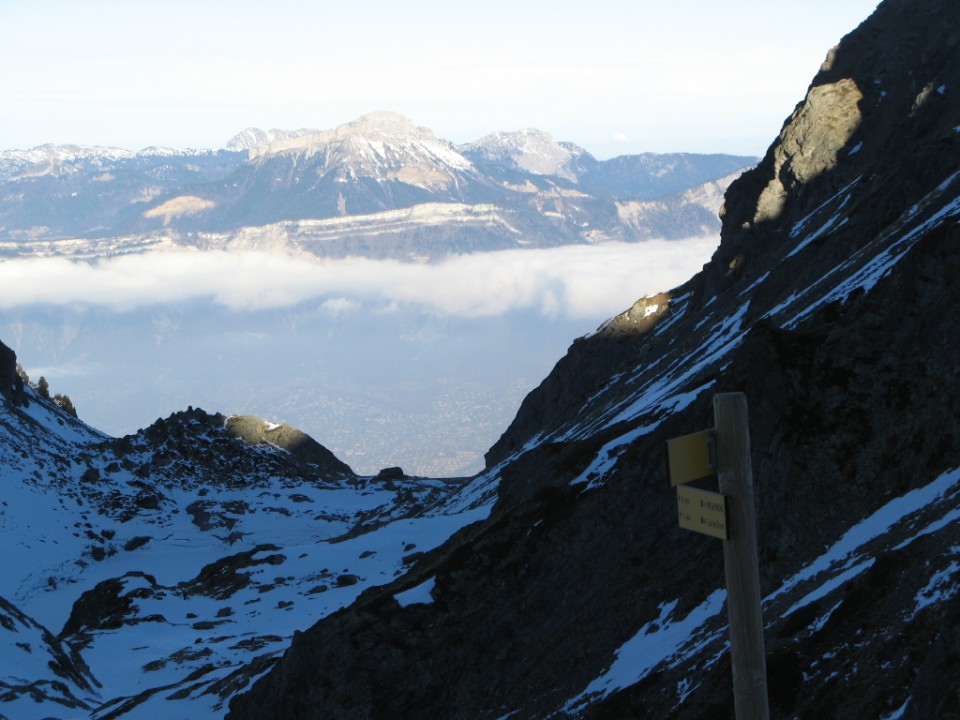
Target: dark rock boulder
x=108, y=605
x=11, y=384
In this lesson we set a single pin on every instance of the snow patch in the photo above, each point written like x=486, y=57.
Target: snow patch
x=819, y=622
x=606, y=459
x=841, y=559
x=821, y=231
x=942, y=586
x=658, y=641
x=866, y=276
x=799, y=226
x=830, y=585
x=898, y=713
x=421, y=594
x=756, y=283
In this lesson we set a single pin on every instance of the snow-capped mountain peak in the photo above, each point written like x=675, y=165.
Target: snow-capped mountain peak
x=532, y=150
x=380, y=162
x=252, y=137
x=383, y=146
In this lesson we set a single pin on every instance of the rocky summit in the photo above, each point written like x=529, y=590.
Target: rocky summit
x=831, y=304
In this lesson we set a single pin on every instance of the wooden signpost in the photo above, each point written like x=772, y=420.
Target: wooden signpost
x=729, y=515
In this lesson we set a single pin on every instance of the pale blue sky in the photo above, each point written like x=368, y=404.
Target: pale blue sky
x=614, y=76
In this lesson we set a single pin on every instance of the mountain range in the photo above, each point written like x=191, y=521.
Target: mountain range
x=380, y=186
x=211, y=565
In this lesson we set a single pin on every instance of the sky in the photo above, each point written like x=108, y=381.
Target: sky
x=613, y=76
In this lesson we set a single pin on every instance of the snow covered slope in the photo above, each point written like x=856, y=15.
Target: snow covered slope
x=155, y=575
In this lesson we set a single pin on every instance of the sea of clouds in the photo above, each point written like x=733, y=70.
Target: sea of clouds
x=573, y=281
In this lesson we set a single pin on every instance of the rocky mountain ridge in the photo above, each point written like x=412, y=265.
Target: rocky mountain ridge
x=528, y=150
x=379, y=164
x=51, y=159
x=252, y=137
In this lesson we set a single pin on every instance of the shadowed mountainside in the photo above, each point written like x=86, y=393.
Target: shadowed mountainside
x=830, y=303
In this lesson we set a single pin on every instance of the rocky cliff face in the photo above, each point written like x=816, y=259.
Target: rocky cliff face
x=8, y=371
x=831, y=304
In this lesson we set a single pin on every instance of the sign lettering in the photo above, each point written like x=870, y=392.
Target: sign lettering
x=702, y=511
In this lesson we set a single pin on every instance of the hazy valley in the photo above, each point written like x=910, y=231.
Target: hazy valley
x=404, y=335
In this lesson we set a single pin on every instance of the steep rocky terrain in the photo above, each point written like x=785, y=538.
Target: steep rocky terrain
x=831, y=304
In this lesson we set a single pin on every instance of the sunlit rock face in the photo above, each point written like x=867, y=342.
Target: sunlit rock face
x=884, y=89
x=257, y=431
x=819, y=130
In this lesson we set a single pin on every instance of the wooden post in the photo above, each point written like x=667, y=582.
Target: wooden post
x=740, y=558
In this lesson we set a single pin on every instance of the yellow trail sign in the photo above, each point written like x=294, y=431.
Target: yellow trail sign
x=702, y=511
x=696, y=456
x=689, y=457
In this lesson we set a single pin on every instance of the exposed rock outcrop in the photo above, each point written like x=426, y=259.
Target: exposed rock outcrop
x=255, y=430
x=876, y=121
x=11, y=386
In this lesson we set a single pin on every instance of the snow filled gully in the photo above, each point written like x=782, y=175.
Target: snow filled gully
x=179, y=617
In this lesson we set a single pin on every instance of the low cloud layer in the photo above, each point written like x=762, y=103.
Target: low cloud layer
x=571, y=281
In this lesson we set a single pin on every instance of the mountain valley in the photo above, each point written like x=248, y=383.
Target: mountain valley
x=335, y=251
x=219, y=565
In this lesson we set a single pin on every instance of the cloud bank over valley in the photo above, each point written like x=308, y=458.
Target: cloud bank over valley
x=386, y=363
x=589, y=282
